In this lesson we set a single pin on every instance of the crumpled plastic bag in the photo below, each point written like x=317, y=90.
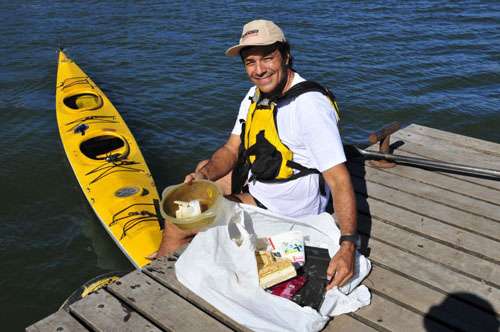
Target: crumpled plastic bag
x=219, y=265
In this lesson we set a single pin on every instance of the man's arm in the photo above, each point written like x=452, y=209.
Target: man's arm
x=221, y=163
x=341, y=267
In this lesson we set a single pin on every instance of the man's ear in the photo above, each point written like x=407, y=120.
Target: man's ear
x=287, y=61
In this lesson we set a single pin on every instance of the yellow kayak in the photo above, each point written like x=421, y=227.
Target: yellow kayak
x=107, y=163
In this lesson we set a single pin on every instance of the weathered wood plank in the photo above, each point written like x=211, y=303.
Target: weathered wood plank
x=430, y=192
x=432, y=250
x=435, y=246
x=412, y=221
x=420, y=205
x=345, y=323
x=452, y=312
x=393, y=317
x=59, y=321
x=446, y=181
x=425, y=147
x=452, y=151
x=160, y=305
x=449, y=138
x=163, y=271
x=432, y=274
x=103, y=312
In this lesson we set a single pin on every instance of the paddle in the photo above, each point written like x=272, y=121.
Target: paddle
x=427, y=163
x=384, y=158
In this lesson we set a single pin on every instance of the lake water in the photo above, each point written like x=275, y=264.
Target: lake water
x=435, y=63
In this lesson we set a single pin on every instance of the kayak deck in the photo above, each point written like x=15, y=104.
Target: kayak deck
x=107, y=162
x=433, y=239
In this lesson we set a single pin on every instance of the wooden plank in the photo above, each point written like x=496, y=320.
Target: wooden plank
x=160, y=305
x=436, y=179
x=438, y=231
x=451, y=150
x=426, y=147
x=443, y=196
x=163, y=271
x=103, y=312
x=433, y=275
x=391, y=316
x=431, y=250
x=344, y=323
x=464, y=220
x=59, y=321
x=452, y=312
x=449, y=138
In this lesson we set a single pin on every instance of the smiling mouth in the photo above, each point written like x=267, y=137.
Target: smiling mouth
x=264, y=79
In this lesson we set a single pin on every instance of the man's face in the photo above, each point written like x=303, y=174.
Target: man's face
x=264, y=67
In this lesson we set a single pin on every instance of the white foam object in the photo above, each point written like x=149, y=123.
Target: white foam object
x=187, y=209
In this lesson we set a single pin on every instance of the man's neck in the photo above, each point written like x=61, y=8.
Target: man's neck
x=282, y=87
x=289, y=80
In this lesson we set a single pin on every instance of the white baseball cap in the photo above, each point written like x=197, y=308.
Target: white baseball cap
x=257, y=33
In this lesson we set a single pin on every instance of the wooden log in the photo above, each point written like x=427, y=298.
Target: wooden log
x=163, y=271
x=59, y=321
x=382, y=133
x=160, y=305
x=103, y=312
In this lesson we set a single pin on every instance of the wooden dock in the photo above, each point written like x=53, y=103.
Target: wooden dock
x=433, y=239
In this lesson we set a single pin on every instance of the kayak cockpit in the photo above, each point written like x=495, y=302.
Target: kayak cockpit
x=83, y=101
x=105, y=146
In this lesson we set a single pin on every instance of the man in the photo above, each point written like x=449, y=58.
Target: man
x=284, y=147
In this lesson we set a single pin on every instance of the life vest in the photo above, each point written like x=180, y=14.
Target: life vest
x=261, y=148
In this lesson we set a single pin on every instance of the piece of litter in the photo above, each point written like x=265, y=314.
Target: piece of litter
x=188, y=209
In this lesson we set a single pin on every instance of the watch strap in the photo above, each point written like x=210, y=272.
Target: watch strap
x=351, y=238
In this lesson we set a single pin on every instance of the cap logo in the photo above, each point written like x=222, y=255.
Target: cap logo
x=248, y=33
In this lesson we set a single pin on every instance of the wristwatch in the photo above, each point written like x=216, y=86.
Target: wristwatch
x=354, y=238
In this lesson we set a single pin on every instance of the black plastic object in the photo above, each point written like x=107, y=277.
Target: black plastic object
x=81, y=129
x=313, y=292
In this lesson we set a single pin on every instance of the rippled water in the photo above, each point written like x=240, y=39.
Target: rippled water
x=162, y=65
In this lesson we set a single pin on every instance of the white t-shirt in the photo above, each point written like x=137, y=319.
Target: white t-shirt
x=307, y=125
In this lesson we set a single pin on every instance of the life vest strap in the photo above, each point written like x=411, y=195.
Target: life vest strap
x=310, y=86
x=303, y=171
x=259, y=147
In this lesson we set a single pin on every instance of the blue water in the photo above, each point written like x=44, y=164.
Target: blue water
x=435, y=63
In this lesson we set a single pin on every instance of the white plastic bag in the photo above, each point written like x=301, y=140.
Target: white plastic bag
x=219, y=265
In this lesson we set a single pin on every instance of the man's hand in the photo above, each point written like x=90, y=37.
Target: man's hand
x=194, y=176
x=173, y=238
x=341, y=267
x=220, y=163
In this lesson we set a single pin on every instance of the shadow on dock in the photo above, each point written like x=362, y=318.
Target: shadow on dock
x=357, y=170
x=484, y=318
